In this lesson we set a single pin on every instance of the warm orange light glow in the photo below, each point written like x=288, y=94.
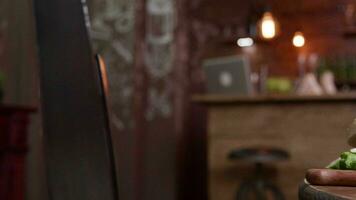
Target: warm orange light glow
x=298, y=39
x=268, y=26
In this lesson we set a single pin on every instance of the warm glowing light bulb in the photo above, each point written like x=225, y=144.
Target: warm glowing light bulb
x=298, y=39
x=268, y=26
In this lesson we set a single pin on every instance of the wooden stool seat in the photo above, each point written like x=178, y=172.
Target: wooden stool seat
x=259, y=154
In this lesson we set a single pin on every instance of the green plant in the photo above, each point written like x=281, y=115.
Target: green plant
x=279, y=85
x=347, y=161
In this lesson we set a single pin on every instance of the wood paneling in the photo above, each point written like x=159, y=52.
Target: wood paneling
x=310, y=132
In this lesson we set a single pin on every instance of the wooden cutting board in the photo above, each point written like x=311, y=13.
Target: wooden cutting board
x=329, y=177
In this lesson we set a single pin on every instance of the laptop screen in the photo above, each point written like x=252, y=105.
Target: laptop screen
x=228, y=75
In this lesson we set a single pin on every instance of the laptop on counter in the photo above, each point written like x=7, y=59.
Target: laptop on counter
x=228, y=75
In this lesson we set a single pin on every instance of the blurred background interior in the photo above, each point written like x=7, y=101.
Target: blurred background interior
x=205, y=94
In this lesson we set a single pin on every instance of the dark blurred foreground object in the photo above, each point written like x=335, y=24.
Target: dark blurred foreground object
x=1, y=86
x=13, y=150
x=312, y=192
x=78, y=149
x=259, y=187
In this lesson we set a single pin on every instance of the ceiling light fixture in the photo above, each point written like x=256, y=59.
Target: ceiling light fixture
x=268, y=26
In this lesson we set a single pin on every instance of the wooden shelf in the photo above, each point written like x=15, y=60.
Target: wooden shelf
x=226, y=99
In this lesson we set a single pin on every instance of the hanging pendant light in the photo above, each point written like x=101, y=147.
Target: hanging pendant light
x=268, y=26
x=298, y=39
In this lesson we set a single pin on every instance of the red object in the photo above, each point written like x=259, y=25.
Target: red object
x=331, y=177
x=13, y=149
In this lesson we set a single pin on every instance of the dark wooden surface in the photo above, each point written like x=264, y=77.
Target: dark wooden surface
x=78, y=150
x=11, y=109
x=13, y=148
x=223, y=99
x=310, y=192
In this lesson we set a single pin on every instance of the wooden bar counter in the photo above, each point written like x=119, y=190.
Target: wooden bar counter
x=311, y=129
